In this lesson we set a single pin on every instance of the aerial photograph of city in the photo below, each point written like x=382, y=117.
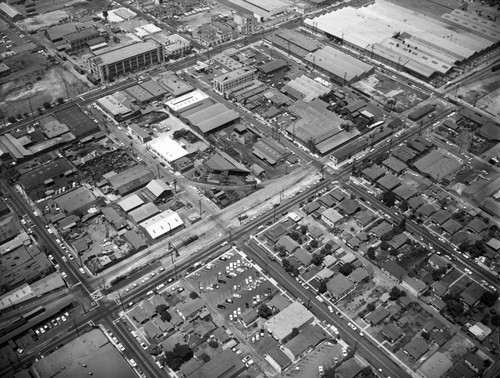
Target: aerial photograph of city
x=250, y=188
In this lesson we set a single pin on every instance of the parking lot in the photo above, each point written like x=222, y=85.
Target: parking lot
x=231, y=284
x=324, y=355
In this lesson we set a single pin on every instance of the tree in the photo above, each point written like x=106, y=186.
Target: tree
x=396, y=293
x=214, y=344
x=178, y=356
x=328, y=247
x=330, y=373
x=295, y=332
x=389, y=198
x=387, y=236
x=165, y=316
x=60, y=100
x=495, y=320
x=193, y=295
x=403, y=206
x=46, y=105
x=295, y=235
x=11, y=119
x=265, y=311
x=154, y=350
x=370, y=307
x=489, y=298
x=105, y=14
x=425, y=335
x=303, y=229
x=322, y=288
x=317, y=259
x=314, y=243
x=346, y=269
x=371, y=253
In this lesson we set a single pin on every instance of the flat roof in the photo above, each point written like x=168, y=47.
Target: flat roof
x=153, y=87
x=77, y=121
x=75, y=199
x=37, y=177
x=299, y=39
x=139, y=93
x=268, y=5
x=244, y=71
x=308, y=87
x=112, y=105
x=131, y=178
x=179, y=103
x=293, y=316
x=59, y=31
x=121, y=53
x=167, y=148
x=212, y=117
x=173, y=84
x=8, y=10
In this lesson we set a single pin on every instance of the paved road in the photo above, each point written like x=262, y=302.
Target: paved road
x=367, y=350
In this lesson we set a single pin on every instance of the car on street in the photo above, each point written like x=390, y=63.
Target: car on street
x=330, y=308
x=352, y=326
x=144, y=346
x=120, y=347
x=64, y=275
x=245, y=359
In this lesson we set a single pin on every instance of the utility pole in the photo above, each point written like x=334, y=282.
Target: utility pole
x=199, y=203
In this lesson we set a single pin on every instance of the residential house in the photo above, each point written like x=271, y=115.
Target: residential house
x=349, y=207
x=338, y=286
x=358, y=275
x=331, y=217
x=378, y=315
x=302, y=256
x=416, y=348
x=414, y=286
x=395, y=270
x=470, y=296
x=287, y=243
x=392, y=332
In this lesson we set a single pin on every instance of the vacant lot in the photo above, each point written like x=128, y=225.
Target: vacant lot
x=36, y=87
x=385, y=90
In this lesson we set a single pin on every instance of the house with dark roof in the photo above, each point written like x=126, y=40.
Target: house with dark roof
x=378, y=315
x=440, y=288
x=275, y=232
x=349, y=206
x=426, y=210
x=437, y=262
x=358, y=275
x=475, y=362
x=451, y=226
x=440, y=216
x=416, y=348
x=327, y=200
x=395, y=270
x=380, y=229
x=311, y=207
x=414, y=285
x=476, y=225
x=389, y=182
x=392, y=332
x=302, y=256
x=405, y=191
x=373, y=173
x=191, y=308
x=338, y=286
x=470, y=296
x=337, y=194
x=395, y=165
x=287, y=243
x=349, y=369
x=415, y=202
x=398, y=241
x=365, y=217
x=433, y=324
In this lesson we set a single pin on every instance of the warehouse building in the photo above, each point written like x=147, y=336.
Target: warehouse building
x=281, y=325
x=188, y=101
x=422, y=46
x=174, y=45
x=10, y=12
x=212, y=118
x=293, y=42
x=136, y=57
x=131, y=179
x=264, y=9
x=79, y=40
x=118, y=106
x=342, y=68
x=173, y=84
x=167, y=149
x=161, y=224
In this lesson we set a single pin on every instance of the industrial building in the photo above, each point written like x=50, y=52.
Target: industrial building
x=233, y=79
x=135, y=57
x=10, y=12
x=186, y=102
x=173, y=84
x=161, y=224
x=293, y=42
x=294, y=316
x=319, y=127
x=422, y=46
x=131, y=179
x=117, y=106
x=80, y=39
x=167, y=149
x=307, y=89
x=342, y=68
x=263, y=9
x=212, y=118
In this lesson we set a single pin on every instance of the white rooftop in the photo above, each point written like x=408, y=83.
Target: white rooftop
x=162, y=223
x=179, y=103
x=167, y=148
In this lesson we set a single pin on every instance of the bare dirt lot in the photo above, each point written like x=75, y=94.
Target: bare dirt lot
x=382, y=88
x=32, y=90
x=484, y=93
